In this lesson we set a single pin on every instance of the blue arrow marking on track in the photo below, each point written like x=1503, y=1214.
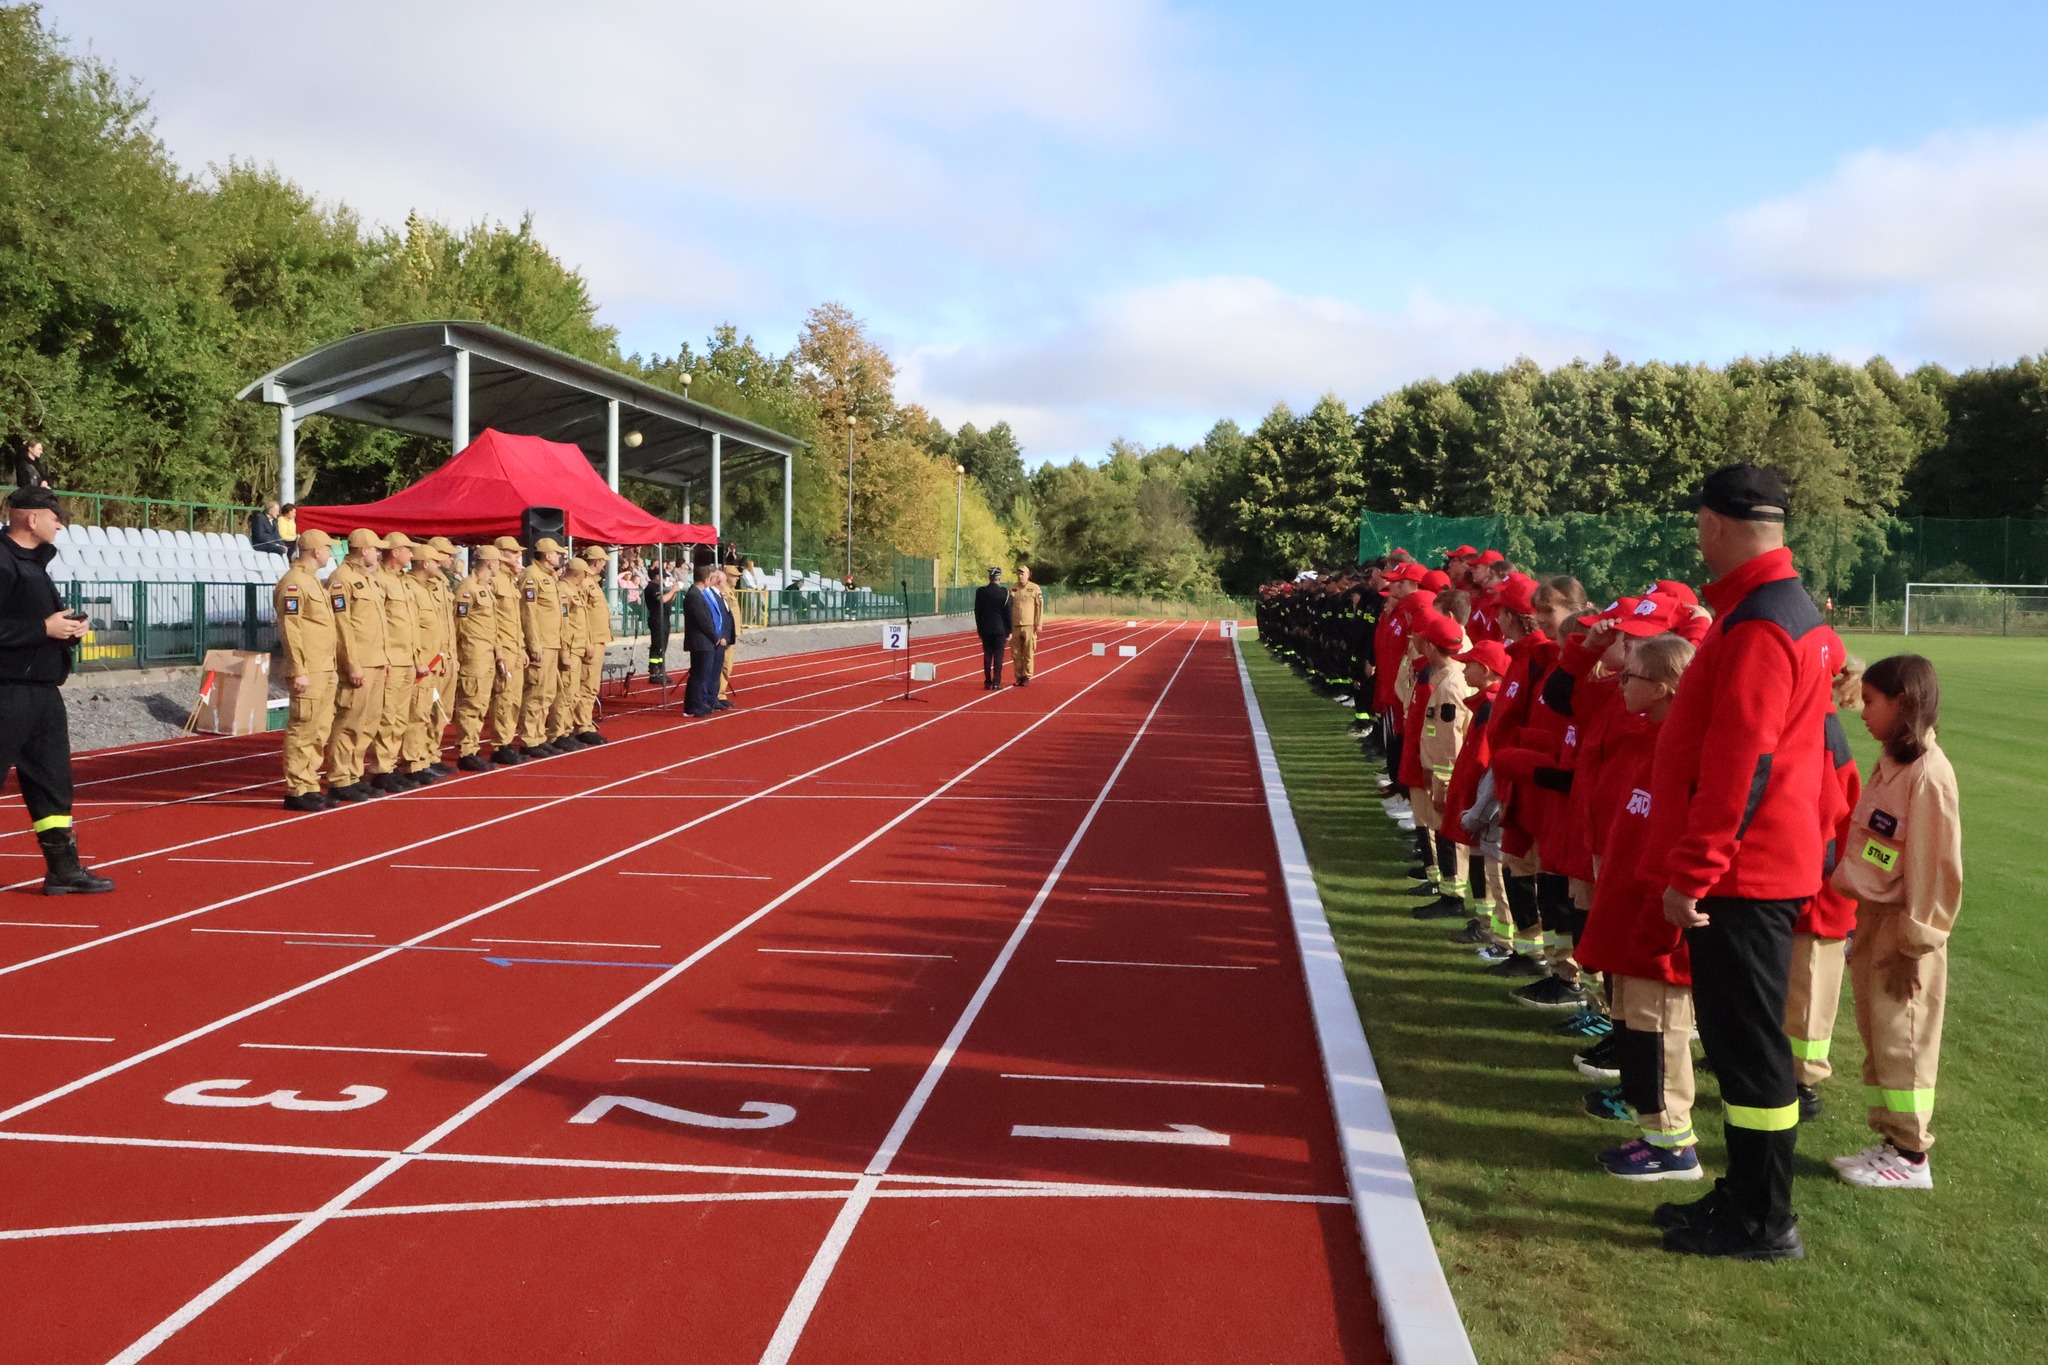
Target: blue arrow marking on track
x=572, y=962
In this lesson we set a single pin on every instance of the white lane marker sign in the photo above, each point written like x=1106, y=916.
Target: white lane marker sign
x=895, y=635
x=1174, y=1135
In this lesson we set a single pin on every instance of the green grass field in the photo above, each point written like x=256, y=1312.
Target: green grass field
x=1550, y=1259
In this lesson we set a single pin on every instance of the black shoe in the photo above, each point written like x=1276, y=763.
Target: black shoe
x=387, y=782
x=589, y=737
x=1425, y=890
x=1443, y=907
x=1475, y=933
x=1700, y=1211
x=541, y=750
x=505, y=756
x=327, y=801
x=721, y=706
x=63, y=874
x=353, y=792
x=1722, y=1235
x=1023, y=682
x=422, y=777
x=1517, y=964
x=1809, y=1103
x=1550, y=993
x=306, y=801
x=697, y=715
x=474, y=763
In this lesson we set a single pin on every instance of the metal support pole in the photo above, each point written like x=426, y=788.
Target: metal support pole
x=459, y=428
x=611, y=478
x=959, y=495
x=717, y=491
x=850, y=422
x=287, y=455
x=788, y=517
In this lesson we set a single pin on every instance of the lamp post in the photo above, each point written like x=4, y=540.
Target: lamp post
x=959, y=494
x=851, y=422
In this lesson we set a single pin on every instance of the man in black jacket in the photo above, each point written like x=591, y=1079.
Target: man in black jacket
x=992, y=619
x=708, y=631
x=35, y=657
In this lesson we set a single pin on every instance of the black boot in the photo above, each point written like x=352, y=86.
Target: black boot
x=65, y=876
x=474, y=763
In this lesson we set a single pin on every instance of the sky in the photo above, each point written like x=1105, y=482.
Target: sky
x=1129, y=218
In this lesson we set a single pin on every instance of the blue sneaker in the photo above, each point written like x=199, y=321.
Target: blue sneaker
x=1585, y=1022
x=1606, y=1103
x=1644, y=1160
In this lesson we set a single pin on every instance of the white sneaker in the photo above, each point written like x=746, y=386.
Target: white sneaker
x=1343, y=700
x=1890, y=1171
x=1405, y=823
x=1862, y=1158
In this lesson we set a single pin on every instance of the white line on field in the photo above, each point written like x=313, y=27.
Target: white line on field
x=852, y=952
x=1112, y=962
x=704, y=876
x=41, y=924
x=457, y=867
x=875, y=881
x=1162, y=891
x=1127, y=1080
x=53, y=1038
x=748, y=1066
x=389, y=1051
x=289, y=933
x=249, y=862
x=565, y=942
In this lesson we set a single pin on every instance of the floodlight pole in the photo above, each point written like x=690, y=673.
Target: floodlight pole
x=788, y=516
x=851, y=422
x=611, y=478
x=717, y=495
x=287, y=454
x=959, y=497
x=459, y=426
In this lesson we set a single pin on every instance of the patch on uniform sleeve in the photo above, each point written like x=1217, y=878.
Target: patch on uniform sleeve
x=340, y=602
x=531, y=594
x=291, y=604
x=1884, y=822
x=1882, y=855
x=462, y=608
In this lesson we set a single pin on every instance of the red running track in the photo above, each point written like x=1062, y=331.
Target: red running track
x=837, y=1028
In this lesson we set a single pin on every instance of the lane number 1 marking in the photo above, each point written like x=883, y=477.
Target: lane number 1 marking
x=764, y=1115
x=203, y=1094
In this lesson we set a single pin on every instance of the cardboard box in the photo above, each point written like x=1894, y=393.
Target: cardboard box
x=234, y=694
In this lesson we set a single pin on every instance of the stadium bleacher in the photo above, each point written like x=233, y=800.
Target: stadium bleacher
x=126, y=554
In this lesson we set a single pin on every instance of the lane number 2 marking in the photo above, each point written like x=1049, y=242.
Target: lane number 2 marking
x=206, y=1094
x=764, y=1115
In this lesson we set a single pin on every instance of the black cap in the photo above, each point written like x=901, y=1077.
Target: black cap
x=994, y=573
x=35, y=500
x=1747, y=492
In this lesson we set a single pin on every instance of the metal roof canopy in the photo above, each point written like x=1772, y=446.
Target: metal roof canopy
x=437, y=378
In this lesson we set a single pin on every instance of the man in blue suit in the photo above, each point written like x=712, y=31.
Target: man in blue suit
x=708, y=631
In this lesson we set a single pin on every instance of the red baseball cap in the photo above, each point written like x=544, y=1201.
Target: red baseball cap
x=1462, y=552
x=1676, y=591
x=1690, y=626
x=1490, y=557
x=1440, y=630
x=1488, y=653
x=1436, y=580
x=1517, y=595
x=1650, y=616
x=1614, y=610
x=1407, y=571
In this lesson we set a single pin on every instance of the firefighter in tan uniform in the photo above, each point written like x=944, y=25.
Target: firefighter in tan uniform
x=444, y=709
x=732, y=608
x=597, y=634
x=305, y=629
x=568, y=658
x=404, y=663
x=478, y=600
x=510, y=688
x=358, y=605
x=428, y=589
x=540, y=616
x=1027, y=613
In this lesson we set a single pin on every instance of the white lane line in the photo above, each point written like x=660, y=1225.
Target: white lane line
x=1113, y=962
x=382, y=1051
x=53, y=1038
x=1172, y=1135
x=852, y=952
x=41, y=924
x=1127, y=1080
x=705, y=876
x=142, y=1346
x=798, y=1312
x=249, y=862
x=457, y=867
x=565, y=942
x=289, y=933
x=384, y=947
x=1162, y=891
x=747, y=1066
x=874, y=881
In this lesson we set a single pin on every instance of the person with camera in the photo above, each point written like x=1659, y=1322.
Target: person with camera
x=36, y=635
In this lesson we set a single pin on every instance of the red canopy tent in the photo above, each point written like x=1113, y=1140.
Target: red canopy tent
x=479, y=495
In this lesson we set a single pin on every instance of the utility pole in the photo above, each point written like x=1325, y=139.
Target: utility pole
x=851, y=422
x=959, y=493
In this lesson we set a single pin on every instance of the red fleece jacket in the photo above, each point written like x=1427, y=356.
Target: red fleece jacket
x=1626, y=932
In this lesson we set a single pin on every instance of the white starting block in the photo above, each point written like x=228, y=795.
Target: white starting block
x=1098, y=649
x=924, y=672
x=1127, y=651
x=1130, y=625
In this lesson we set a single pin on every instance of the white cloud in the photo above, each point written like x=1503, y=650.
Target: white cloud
x=1944, y=240
x=1164, y=361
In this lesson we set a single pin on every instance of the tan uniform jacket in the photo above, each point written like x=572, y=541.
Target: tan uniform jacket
x=476, y=621
x=575, y=625
x=429, y=589
x=1444, y=724
x=540, y=608
x=600, y=628
x=305, y=622
x=401, y=621
x=511, y=636
x=358, y=602
x=1905, y=847
x=1027, y=607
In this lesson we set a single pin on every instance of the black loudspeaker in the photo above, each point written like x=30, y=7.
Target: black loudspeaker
x=538, y=522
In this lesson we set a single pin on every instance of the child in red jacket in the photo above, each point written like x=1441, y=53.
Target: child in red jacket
x=1492, y=931
x=1627, y=936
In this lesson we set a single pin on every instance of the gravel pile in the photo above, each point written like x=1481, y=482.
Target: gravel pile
x=106, y=713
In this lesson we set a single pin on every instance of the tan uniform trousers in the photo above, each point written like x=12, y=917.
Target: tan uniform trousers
x=541, y=680
x=444, y=708
x=507, y=694
x=358, y=715
x=725, y=671
x=423, y=728
x=1901, y=1038
x=568, y=697
x=306, y=731
x=1023, y=650
x=1661, y=1077
x=1498, y=919
x=473, y=691
x=586, y=701
x=398, y=695
x=1812, y=999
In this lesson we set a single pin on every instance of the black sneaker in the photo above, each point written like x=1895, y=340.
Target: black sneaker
x=1809, y=1103
x=1722, y=1235
x=387, y=782
x=1518, y=964
x=474, y=763
x=1443, y=907
x=1475, y=933
x=590, y=737
x=354, y=791
x=1700, y=1211
x=1550, y=993
x=306, y=801
x=1601, y=1061
x=441, y=771
x=505, y=756
x=422, y=777
x=540, y=750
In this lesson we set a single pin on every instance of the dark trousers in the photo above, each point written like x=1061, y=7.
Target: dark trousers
x=35, y=741
x=1741, y=965
x=657, y=639
x=700, y=693
x=1554, y=905
x=992, y=657
x=1390, y=740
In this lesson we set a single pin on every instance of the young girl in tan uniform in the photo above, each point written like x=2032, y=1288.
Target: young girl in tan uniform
x=1904, y=866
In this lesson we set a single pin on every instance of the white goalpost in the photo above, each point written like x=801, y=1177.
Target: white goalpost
x=1976, y=609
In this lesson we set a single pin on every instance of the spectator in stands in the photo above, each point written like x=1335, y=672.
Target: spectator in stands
x=288, y=525
x=29, y=469
x=751, y=577
x=263, y=530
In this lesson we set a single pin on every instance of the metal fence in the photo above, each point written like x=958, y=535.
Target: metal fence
x=152, y=625
x=162, y=514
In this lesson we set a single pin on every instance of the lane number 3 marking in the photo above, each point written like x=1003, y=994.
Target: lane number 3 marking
x=206, y=1094
x=764, y=1115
